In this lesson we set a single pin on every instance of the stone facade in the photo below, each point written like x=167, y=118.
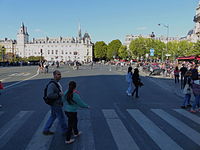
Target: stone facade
x=54, y=49
x=194, y=34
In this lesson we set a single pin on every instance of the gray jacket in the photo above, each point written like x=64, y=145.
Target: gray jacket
x=54, y=93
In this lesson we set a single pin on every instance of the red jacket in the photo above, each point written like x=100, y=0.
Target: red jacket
x=1, y=86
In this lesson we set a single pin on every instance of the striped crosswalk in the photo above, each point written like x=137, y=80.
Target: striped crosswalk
x=122, y=137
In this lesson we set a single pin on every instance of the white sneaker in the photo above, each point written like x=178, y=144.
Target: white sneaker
x=129, y=94
x=79, y=133
x=70, y=141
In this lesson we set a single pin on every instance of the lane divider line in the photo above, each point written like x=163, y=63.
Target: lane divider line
x=22, y=80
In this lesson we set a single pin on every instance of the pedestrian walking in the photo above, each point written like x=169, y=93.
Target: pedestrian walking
x=130, y=81
x=176, y=74
x=136, y=82
x=196, y=92
x=187, y=90
x=1, y=88
x=195, y=72
x=54, y=91
x=183, y=70
x=71, y=102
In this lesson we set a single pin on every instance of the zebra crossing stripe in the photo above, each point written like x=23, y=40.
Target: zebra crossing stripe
x=123, y=139
x=86, y=141
x=154, y=131
x=10, y=128
x=180, y=126
x=40, y=141
x=189, y=115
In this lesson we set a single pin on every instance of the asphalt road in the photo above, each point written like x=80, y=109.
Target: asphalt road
x=114, y=122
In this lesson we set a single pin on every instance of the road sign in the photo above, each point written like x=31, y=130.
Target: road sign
x=152, y=52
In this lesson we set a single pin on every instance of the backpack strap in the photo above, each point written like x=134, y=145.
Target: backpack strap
x=55, y=84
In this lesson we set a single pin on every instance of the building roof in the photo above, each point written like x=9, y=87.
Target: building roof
x=191, y=32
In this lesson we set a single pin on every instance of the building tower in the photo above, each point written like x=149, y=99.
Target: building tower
x=197, y=21
x=22, y=39
x=79, y=32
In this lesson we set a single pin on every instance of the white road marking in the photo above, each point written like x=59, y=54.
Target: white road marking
x=188, y=115
x=154, y=131
x=179, y=125
x=40, y=141
x=5, y=79
x=120, y=134
x=10, y=128
x=86, y=140
x=22, y=80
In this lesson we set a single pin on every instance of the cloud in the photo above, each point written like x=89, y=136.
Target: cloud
x=141, y=28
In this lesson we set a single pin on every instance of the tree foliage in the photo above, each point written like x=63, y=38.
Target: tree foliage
x=113, y=48
x=123, y=53
x=100, y=50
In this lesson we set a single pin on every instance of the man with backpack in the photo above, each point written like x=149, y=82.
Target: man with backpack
x=53, y=97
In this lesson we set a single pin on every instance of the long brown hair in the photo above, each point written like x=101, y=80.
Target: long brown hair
x=69, y=95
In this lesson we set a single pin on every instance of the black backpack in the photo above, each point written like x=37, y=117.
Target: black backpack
x=47, y=100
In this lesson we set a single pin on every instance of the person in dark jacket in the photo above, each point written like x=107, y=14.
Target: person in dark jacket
x=183, y=70
x=136, y=82
x=194, y=73
x=56, y=108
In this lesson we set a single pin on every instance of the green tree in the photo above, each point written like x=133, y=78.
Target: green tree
x=123, y=53
x=139, y=47
x=195, y=49
x=113, y=48
x=35, y=58
x=184, y=48
x=100, y=50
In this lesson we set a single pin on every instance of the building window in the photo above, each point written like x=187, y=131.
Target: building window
x=62, y=52
x=56, y=52
x=48, y=51
x=70, y=52
x=52, y=52
x=75, y=53
x=65, y=52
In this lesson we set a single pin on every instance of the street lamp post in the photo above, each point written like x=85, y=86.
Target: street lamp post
x=167, y=27
x=41, y=55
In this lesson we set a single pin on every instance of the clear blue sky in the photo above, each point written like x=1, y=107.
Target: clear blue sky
x=105, y=20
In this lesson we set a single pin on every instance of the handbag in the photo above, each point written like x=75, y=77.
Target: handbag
x=187, y=89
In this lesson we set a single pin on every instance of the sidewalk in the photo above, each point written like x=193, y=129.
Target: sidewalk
x=165, y=82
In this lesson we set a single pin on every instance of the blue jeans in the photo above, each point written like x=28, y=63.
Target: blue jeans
x=187, y=99
x=196, y=103
x=130, y=87
x=56, y=112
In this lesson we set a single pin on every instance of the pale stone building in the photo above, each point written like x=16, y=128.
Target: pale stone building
x=52, y=49
x=9, y=44
x=194, y=34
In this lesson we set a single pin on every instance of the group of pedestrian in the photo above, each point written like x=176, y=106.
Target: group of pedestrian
x=66, y=103
x=43, y=67
x=190, y=83
x=133, y=79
